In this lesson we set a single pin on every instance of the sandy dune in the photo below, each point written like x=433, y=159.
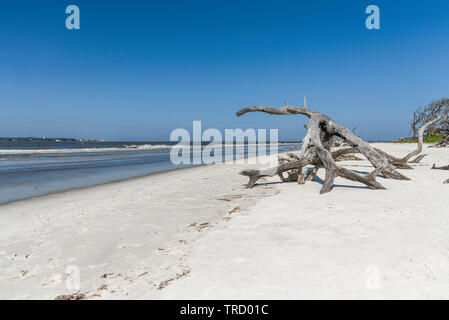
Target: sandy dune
x=197, y=233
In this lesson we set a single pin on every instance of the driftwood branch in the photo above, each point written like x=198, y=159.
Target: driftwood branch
x=316, y=151
x=441, y=168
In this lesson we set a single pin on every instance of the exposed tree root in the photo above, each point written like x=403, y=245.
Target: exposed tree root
x=316, y=151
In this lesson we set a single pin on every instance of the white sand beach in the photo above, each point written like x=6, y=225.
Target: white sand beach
x=197, y=233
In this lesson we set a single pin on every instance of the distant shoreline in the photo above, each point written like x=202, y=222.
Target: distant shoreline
x=20, y=139
x=44, y=139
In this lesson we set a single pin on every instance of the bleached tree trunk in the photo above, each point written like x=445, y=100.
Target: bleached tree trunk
x=403, y=161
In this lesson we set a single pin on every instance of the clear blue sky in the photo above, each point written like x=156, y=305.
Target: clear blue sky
x=138, y=69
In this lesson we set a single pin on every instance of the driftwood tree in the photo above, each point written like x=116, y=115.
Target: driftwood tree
x=315, y=151
x=434, y=118
x=418, y=117
x=433, y=111
x=439, y=110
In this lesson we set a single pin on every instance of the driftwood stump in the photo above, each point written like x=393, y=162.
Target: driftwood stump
x=316, y=151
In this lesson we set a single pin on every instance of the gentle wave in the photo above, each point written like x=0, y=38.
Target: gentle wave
x=147, y=147
x=84, y=150
x=124, y=148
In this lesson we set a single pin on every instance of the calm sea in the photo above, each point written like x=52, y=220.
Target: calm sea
x=34, y=168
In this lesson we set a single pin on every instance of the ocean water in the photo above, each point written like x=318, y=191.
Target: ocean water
x=33, y=168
